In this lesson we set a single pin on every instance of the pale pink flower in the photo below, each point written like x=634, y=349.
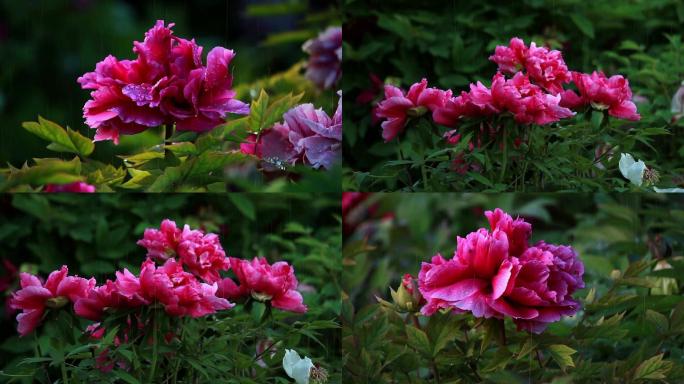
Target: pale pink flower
x=325, y=58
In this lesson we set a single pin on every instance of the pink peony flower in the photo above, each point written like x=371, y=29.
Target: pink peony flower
x=165, y=84
x=201, y=253
x=308, y=136
x=510, y=59
x=545, y=67
x=161, y=244
x=496, y=274
x=604, y=93
x=180, y=292
x=75, y=187
x=325, y=58
x=264, y=282
x=397, y=107
x=34, y=297
x=104, y=297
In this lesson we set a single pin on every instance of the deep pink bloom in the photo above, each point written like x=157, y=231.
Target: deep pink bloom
x=276, y=283
x=75, y=187
x=511, y=58
x=161, y=243
x=201, y=253
x=496, y=274
x=604, y=93
x=104, y=297
x=179, y=291
x=397, y=107
x=34, y=297
x=325, y=58
x=545, y=67
x=166, y=84
x=307, y=136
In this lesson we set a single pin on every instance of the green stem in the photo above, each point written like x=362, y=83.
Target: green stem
x=424, y=173
x=65, y=378
x=168, y=132
x=155, y=339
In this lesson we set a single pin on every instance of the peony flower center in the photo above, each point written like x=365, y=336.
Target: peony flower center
x=416, y=111
x=599, y=106
x=56, y=302
x=259, y=296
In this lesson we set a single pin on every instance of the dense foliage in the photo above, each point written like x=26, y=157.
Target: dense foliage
x=628, y=327
x=449, y=43
x=96, y=235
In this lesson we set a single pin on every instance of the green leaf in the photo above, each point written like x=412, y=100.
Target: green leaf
x=418, y=340
x=583, y=24
x=596, y=119
x=257, y=113
x=182, y=149
x=658, y=320
x=243, y=204
x=125, y=376
x=654, y=368
x=63, y=140
x=529, y=346
x=562, y=354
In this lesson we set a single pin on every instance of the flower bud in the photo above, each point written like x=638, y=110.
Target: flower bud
x=407, y=297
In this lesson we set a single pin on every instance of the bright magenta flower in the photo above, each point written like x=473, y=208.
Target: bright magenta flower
x=325, y=62
x=307, y=136
x=496, y=274
x=604, y=93
x=34, y=297
x=276, y=283
x=75, y=187
x=166, y=84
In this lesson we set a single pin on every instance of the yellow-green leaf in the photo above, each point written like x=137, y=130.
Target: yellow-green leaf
x=562, y=354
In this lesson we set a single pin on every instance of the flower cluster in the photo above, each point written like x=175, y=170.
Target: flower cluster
x=325, y=58
x=307, y=136
x=533, y=94
x=497, y=273
x=166, y=84
x=186, y=283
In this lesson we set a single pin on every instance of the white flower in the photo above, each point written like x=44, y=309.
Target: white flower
x=632, y=170
x=297, y=368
